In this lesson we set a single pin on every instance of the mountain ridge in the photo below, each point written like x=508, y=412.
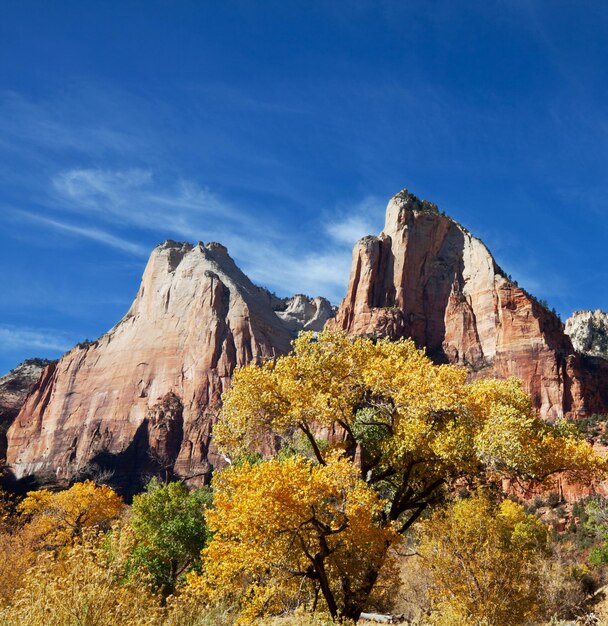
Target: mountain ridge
x=427, y=277
x=143, y=397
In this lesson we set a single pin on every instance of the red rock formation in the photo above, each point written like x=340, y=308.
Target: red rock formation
x=144, y=396
x=14, y=388
x=428, y=278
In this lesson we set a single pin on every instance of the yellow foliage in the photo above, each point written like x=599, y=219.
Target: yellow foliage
x=318, y=382
x=483, y=558
x=311, y=531
x=411, y=429
x=284, y=529
x=47, y=521
x=57, y=517
x=83, y=585
x=16, y=557
x=412, y=417
x=6, y=509
x=512, y=440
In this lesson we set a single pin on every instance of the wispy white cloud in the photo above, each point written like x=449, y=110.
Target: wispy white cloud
x=133, y=199
x=71, y=120
x=321, y=272
x=95, y=234
x=126, y=191
x=97, y=188
x=358, y=221
x=324, y=267
x=349, y=230
x=121, y=207
x=16, y=338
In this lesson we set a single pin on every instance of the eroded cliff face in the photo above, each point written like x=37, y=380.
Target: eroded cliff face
x=14, y=388
x=426, y=277
x=143, y=397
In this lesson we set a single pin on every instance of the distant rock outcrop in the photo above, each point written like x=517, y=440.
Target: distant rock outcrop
x=304, y=313
x=14, y=388
x=588, y=331
x=143, y=397
x=426, y=277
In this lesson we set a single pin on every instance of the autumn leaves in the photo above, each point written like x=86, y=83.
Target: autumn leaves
x=372, y=443
x=314, y=525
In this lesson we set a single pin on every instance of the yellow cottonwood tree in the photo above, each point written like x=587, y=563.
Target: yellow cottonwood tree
x=482, y=557
x=291, y=531
x=57, y=517
x=411, y=429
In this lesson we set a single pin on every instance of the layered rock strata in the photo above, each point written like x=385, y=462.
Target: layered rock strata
x=426, y=277
x=143, y=397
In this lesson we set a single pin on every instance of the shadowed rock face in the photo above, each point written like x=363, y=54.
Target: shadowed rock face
x=428, y=278
x=144, y=396
x=14, y=388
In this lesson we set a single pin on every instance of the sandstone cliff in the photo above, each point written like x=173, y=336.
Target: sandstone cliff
x=427, y=277
x=588, y=331
x=14, y=388
x=143, y=397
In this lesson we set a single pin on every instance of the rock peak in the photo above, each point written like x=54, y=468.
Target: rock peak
x=14, y=388
x=402, y=208
x=407, y=200
x=217, y=247
x=169, y=244
x=304, y=313
x=426, y=277
x=148, y=391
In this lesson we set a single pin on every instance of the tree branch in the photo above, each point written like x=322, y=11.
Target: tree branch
x=315, y=448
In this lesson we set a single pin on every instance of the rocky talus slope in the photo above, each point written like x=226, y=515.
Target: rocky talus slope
x=427, y=277
x=144, y=396
x=588, y=331
x=14, y=388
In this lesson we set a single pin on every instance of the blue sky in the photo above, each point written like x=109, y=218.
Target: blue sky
x=281, y=129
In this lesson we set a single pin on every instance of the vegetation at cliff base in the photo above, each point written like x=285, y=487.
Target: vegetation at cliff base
x=170, y=532
x=362, y=477
x=479, y=552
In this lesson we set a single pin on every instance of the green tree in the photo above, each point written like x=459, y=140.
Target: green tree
x=595, y=528
x=170, y=531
